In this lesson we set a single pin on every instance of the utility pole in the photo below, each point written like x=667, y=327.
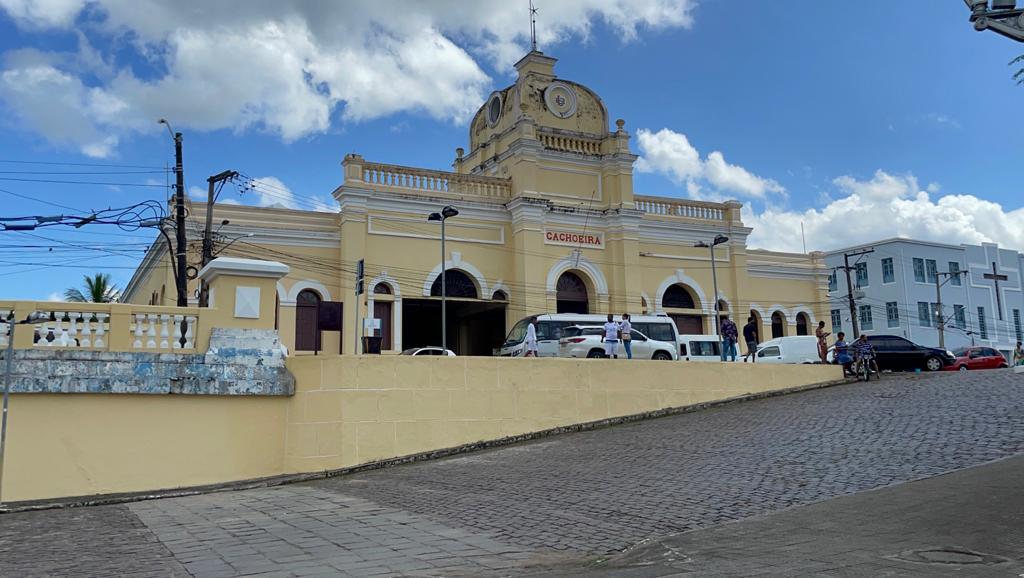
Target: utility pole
x=208, y=229
x=179, y=222
x=849, y=288
x=940, y=320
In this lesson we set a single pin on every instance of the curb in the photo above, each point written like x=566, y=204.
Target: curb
x=272, y=481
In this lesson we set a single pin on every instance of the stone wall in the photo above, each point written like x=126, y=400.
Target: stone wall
x=238, y=362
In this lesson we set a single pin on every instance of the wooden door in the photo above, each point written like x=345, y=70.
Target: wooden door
x=382, y=311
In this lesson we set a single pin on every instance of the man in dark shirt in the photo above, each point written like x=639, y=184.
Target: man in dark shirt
x=729, y=338
x=750, y=336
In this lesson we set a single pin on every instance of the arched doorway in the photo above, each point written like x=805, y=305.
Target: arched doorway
x=307, y=304
x=499, y=295
x=571, y=294
x=457, y=284
x=382, y=310
x=802, y=323
x=778, y=325
x=676, y=298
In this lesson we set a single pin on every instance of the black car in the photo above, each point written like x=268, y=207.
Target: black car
x=900, y=354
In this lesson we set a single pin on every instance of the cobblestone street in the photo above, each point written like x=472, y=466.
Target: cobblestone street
x=567, y=499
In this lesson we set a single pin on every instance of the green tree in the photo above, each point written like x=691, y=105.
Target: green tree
x=98, y=289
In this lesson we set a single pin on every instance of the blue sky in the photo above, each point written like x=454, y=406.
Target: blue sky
x=860, y=119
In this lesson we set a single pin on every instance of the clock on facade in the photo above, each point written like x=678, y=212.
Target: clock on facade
x=560, y=99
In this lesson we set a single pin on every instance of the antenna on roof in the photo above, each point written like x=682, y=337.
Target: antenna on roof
x=533, y=28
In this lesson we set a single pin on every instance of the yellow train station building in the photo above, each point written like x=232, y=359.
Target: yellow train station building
x=547, y=222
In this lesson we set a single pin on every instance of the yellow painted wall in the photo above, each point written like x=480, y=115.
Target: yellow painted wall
x=81, y=444
x=355, y=410
x=347, y=411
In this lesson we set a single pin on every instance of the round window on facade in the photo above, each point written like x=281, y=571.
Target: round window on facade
x=494, y=109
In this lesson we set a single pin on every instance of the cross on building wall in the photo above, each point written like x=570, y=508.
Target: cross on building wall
x=996, y=278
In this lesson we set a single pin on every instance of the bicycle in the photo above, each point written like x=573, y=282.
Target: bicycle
x=864, y=370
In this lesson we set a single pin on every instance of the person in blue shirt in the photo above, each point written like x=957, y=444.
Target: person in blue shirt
x=864, y=352
x=842, y=355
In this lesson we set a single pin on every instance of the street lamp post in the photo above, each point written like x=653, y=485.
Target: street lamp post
x=1003, y=18
x=11, y=323
x=446, y=213
x=718, y=240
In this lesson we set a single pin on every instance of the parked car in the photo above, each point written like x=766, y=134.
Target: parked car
x=585, y=341
x=895, y=353
x=976, y=358
x=792, y=349
x=429, y=351
x=700, y=348
x=550, y=329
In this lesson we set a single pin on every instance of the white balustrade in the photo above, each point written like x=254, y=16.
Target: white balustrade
x=398, y=177
x=151, y=332
x=687, y=209
x=5, y=327
x=140, y=322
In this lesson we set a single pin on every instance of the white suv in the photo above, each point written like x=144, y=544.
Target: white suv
x=585, y=341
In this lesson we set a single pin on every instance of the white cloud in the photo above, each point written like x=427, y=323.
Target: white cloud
x=289, y=67
x=272, y=192
x=736, y=178
x=886, y=206
x=671, y=154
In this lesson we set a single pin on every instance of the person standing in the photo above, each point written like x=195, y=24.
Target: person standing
x=842, y=354
x=821, y=334
x=531, y=338
x=1018, y=355
x=611, y=338
x=750, y=336
x=626, y=330
x=729, y=338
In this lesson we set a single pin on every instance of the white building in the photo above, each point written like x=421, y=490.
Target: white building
x=895, y=292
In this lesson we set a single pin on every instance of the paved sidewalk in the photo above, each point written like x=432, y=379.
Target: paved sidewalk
x=969, y=523
x=566, y=501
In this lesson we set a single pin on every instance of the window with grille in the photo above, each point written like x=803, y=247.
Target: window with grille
x=918, y=270
x=862, y=274
x=954, y=279
x=1016, y=324
x=888, y=272
x=924, y=314
x=892, y=314
x=837, y=320
x=932, y=268
x=959, y=317
x=864, y=315
x=833, y=283
x=982, y=326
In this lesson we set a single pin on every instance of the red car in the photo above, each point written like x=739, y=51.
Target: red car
x=977, y=358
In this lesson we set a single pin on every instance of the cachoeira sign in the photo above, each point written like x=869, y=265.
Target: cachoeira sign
x=588, y=239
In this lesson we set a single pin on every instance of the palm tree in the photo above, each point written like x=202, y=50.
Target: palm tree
x=1019, y=76
x=98, y=289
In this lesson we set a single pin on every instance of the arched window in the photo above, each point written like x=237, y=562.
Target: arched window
x=802, y=322
x=499, y=296
x=678, y=297
x=571, y=294
x=457, y=284
x=778, y=325
x=381, y=289
x=307, y=305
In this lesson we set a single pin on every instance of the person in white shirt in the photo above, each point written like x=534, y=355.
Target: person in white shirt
x=611, y=338
x=626, y=329
x=531, y=338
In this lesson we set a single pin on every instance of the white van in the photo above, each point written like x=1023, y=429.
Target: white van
x=700, y=348
x=794, y=349
x=550, y=326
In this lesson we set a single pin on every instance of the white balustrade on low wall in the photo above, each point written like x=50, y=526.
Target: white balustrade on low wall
x=680, y=208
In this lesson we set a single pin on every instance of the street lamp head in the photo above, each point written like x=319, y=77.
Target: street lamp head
x=719, y=239
x=449, y=212
x=435, y=217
